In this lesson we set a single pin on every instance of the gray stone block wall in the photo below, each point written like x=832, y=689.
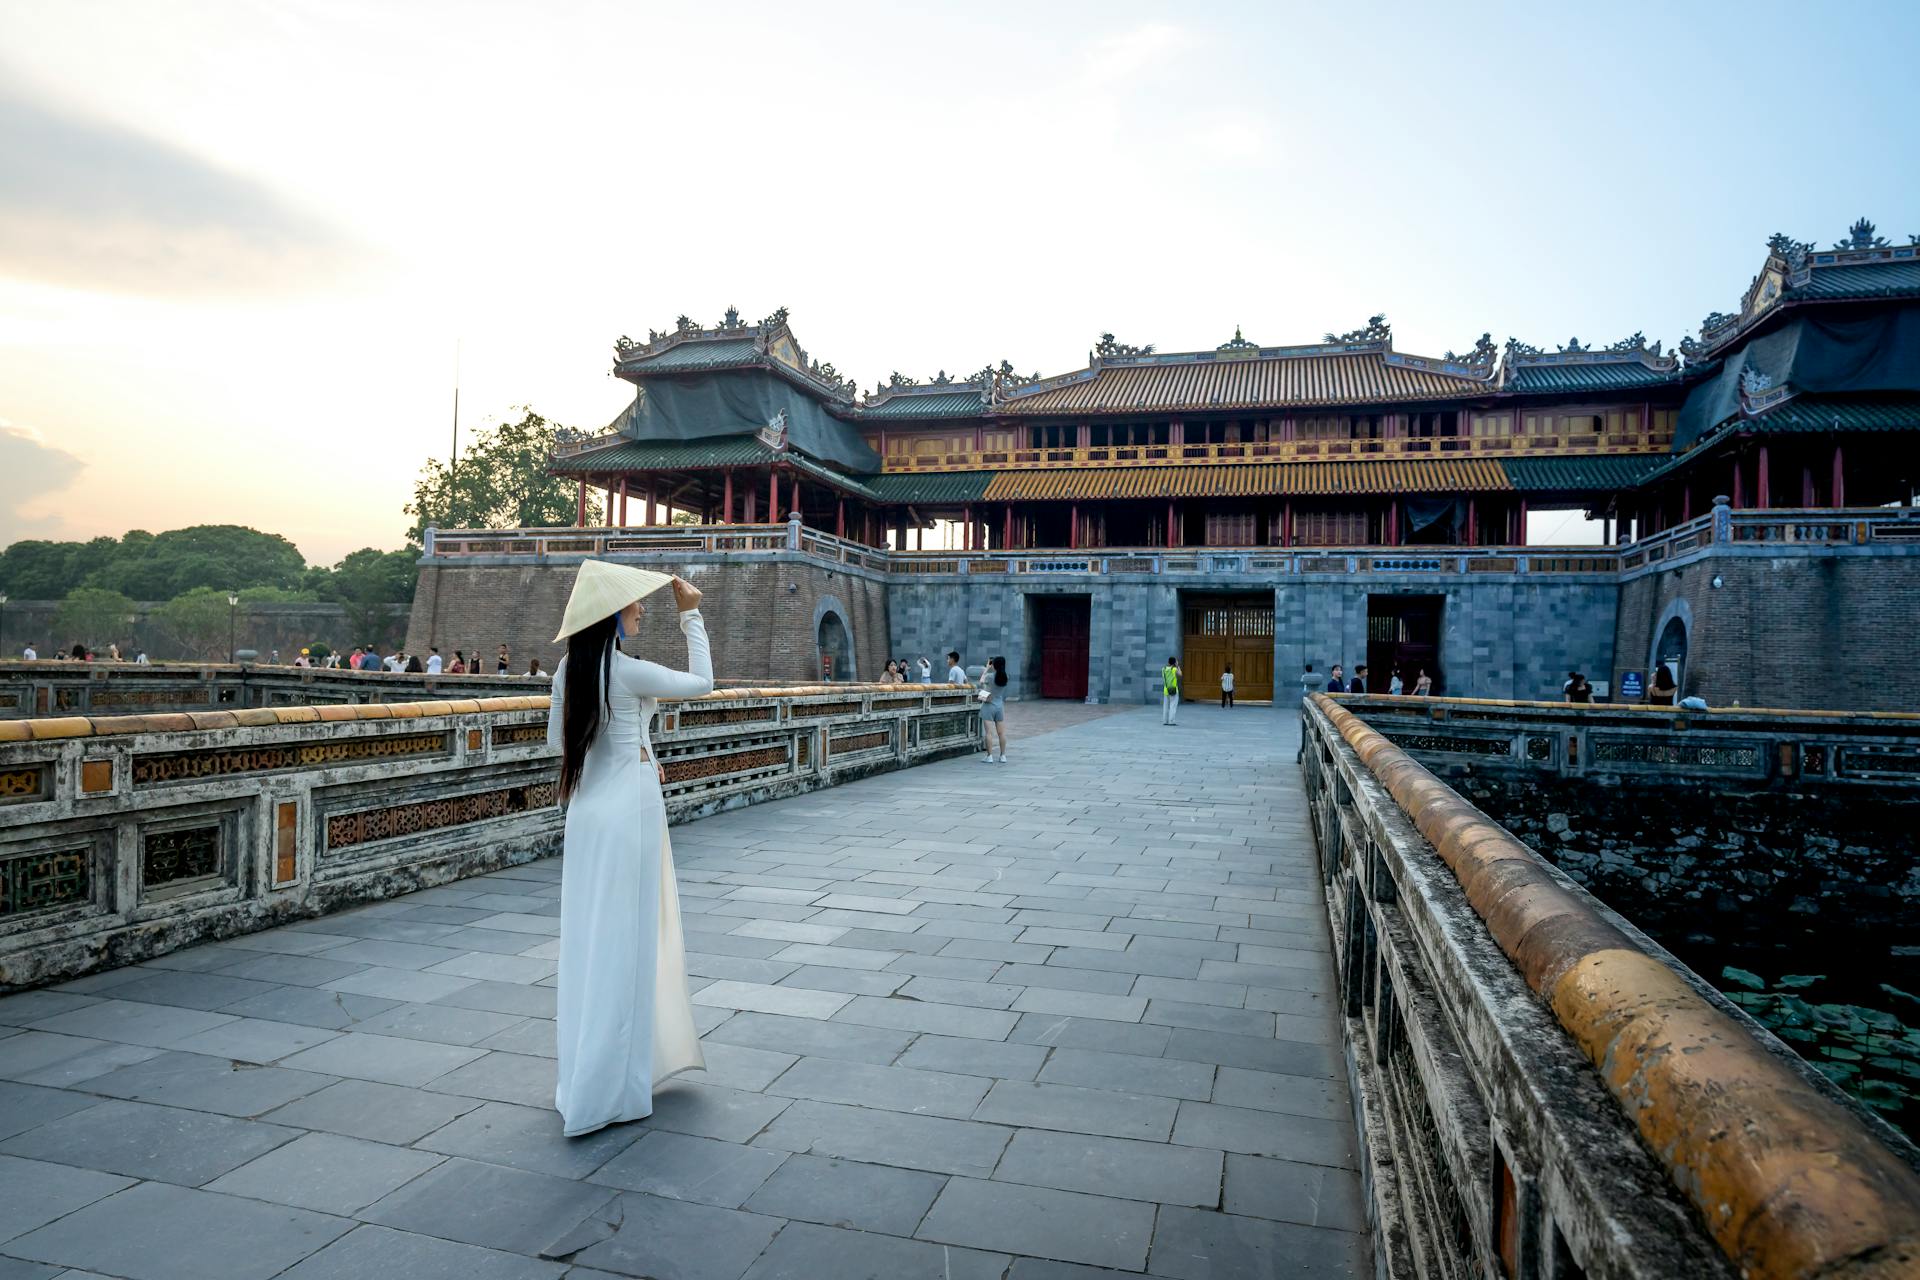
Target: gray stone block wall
x=1502, y=636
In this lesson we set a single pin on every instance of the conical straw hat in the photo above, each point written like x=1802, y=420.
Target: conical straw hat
x=601, y=590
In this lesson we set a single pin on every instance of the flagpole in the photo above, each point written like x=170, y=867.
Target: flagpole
x=453, y=459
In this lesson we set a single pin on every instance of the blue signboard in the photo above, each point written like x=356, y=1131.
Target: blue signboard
x=1632, y=687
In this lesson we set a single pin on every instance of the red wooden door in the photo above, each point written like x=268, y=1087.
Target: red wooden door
x=1066, y=625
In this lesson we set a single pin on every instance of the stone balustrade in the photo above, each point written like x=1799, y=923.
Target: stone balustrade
x=1746, y=748
x=125, y=837
x=1542, y=1091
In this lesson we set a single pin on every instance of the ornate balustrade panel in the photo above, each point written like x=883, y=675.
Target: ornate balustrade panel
x=1493, y=1146
x=125, y=837
x=1741, y=747
x=1498, y=446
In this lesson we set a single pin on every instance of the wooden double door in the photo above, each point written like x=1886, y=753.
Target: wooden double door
x=1218, y=631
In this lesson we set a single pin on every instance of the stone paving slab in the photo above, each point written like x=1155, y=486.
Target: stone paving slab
x=1062, y=1019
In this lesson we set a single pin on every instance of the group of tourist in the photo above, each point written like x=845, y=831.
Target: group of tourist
x=1336, y=681
x=368, y=658
x=902, y=671
x=990, y=689
x=80, y=653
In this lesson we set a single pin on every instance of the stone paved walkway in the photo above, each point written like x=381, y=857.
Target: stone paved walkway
x=1061, y=1019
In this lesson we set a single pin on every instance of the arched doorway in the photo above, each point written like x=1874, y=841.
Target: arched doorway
x=836, y=648
x=1671, y=649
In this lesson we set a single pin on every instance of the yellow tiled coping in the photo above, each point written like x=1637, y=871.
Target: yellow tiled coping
x=1789, y=1182
x=253, y=717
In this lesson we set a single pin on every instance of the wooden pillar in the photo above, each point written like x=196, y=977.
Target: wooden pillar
x=901, y=523
x=773, y=496
x=1073, y=527
x=1173, y=530
x=1686, y=495
x=1393, y=522
x=1839, y=479
x=1520, y=534
x=726, y=496
x=751, y=512
x=1473, y=529
x=1739, y=490
x=840, y=518
x=1286, y=523
x=919, y=537
x=1006, y=537
x=1806, y=486
x=580, y=518
x=610, y=513
x=653, y=511
x=1763, y=482
x=623, y=502
x=966, y=518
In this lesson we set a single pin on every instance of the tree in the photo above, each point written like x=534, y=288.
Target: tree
x=367, y=582
x=35, y=569
x=501, y=482
x=198, y=622
x=93, y=617
x=217, y=556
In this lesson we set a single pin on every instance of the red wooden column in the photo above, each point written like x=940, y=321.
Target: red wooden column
x=773, y=496
x=1806, y=486
x=652, y=505
x=1393, y=522
x=751, y=512
x=1520, y=537
x=840, y=518
x=966, y=517
x=1173, y=531
x=1286, y=522
x=1739, y=489
x=580, y=519
x=1686, y=496
x=1073, y=527
x=1006, y=536
x=1839, y=480
x=1473, y=524
x=611, y=491
x=726, y=496
x=1763, y=483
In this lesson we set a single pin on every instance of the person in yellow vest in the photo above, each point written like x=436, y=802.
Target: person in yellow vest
x=1169, y=691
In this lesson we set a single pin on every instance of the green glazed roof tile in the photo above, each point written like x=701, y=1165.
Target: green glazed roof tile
x=932, y=486
x=953, y=404
x=1580, y=475
x=696, y=354
x=1584, y=377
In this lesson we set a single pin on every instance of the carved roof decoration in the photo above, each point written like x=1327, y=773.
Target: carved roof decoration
x=1241, y=373
x=1863, y=264
x=1575, y=367
x=731, y=343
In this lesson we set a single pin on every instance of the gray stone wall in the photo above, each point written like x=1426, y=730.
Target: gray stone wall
x=1503, y=636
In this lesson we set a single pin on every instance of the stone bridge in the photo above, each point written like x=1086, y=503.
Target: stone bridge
x=1081, y=1015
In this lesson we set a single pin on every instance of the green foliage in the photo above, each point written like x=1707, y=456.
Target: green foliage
x=199, y=622
x=147, y=566
x=500, y=482
x=93, y=617
x=365, y=582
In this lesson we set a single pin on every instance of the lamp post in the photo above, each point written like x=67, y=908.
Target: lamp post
x=3, y=624
x=233, y=606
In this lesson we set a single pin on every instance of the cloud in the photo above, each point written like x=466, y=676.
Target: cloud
x=90, y=204
x=34, y=470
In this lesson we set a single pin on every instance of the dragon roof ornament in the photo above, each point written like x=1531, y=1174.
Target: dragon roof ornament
x=1481, y=357
x=1237, y=345
x=1107, y=348
x=1861, y=236
x=1376, y=330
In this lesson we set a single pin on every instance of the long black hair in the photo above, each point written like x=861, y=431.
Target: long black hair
x=587, y=698
x=999, y=670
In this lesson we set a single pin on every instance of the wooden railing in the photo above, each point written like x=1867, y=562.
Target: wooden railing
x=1406, y=447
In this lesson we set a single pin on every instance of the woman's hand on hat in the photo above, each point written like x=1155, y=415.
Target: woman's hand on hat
x=685, y=595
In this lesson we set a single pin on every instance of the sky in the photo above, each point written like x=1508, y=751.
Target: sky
x=240, y=243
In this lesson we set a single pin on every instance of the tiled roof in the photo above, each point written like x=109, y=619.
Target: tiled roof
x=934, y=486
x=1446, y=475
x=1824, y=413
x=1579, y=475
x=1863, y=280
x=698, y=354
x=1159, y=384
x=666, y=455
x=943, y=404
x=695, y=455
x=1600, y=376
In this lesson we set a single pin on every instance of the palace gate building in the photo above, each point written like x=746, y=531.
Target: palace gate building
x=1270, y=506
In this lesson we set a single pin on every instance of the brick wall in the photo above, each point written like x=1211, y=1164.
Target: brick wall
x=758, y=627
x=1793, y=629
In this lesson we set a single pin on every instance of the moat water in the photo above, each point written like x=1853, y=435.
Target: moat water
x=1799, y=908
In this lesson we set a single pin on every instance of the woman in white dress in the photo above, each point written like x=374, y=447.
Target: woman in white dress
x=625, y=1021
